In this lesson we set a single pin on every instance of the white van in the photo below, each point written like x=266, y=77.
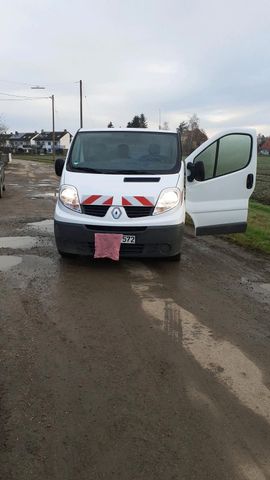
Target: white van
x=134, y=182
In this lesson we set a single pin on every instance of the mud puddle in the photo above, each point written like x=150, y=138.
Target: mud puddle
x=44, y=195
x=9, y=261
x=45, y=226
x=18, y=242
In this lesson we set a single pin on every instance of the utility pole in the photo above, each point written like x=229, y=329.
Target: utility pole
x=53, y=129
x=159, y=119
x=38, y=87
x=81, y=110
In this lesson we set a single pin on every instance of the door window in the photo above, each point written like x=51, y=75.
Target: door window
x=228, y=154
x=208, y=157
x=234, y=153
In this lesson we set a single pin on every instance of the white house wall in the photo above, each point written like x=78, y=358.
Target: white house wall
x=65, y=141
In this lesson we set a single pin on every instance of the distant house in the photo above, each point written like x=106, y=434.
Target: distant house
x=4, y=139
x=44, y=141
x=265, y=147
x=21, y=142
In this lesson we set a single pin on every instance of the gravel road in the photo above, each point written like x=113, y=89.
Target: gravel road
x=134, y=370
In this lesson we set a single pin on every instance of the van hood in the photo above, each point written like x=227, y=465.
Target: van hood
x=108, y=189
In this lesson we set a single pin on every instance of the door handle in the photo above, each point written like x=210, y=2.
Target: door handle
x=250, y=180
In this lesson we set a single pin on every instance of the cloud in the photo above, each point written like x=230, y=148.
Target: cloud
x=180, y=57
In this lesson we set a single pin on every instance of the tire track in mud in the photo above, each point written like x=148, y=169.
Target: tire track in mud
x=229, y=365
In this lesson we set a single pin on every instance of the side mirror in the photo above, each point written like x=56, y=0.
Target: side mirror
x=58, y=166
x=197, y=171
x=191, y=176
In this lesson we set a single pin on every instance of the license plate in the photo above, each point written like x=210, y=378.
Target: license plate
x=128, y=239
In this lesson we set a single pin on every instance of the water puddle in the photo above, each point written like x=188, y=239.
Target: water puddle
x=8, y=261
x=265, y=286
x=45, y=195
x=44, y=185
x=18, y=242
x=45, y=226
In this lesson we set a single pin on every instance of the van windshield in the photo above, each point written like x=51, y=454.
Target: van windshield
x=125, y=152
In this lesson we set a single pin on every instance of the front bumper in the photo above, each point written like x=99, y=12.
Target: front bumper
x=150, y=241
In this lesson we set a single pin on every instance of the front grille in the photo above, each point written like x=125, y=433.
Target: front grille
x=134, y=212
x=106, y=229
x=95, y=210
x=125, y=249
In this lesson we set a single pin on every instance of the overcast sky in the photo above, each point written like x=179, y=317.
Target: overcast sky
x=180, y=56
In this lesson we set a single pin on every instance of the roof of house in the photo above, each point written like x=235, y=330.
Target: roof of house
x=5, y=136
x=48, y=136
x=23, y=136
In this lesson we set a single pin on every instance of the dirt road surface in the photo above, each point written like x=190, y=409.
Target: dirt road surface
x=137, y=370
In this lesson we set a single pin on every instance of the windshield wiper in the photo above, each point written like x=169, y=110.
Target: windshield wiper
x=116, y=172
x=89, y=170
x=139, y=172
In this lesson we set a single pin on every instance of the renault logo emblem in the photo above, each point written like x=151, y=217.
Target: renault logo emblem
x=116, y=213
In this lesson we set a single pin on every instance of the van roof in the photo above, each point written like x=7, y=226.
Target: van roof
x=146, y=130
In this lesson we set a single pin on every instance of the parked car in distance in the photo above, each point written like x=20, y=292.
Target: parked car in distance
x=2, y=178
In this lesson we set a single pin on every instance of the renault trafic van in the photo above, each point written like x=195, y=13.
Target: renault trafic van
x=134, y=182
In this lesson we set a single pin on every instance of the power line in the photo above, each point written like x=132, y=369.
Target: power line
x=22, y=99
x=19, y=96
x=12, y=82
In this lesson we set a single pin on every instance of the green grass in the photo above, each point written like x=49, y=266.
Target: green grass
x=35, y=158
x=262, y=189
x=257, y=236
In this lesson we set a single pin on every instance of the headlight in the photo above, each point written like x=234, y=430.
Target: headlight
x=168, y=199
x=69, y=197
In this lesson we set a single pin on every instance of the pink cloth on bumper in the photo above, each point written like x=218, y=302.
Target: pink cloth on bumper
x=107, y=245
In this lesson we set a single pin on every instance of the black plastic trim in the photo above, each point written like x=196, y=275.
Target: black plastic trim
x=216, y=159
x=154, y=241
x=222, y=229
x=109, y=229
x=142, y=179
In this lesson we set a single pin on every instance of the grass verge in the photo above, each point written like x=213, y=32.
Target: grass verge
x=257, y=236
x=35, y=158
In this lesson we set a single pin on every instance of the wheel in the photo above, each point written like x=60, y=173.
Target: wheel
x=175, y=258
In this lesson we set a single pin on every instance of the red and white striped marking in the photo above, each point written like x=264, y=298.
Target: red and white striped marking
x=98, y=200
x=135, y=200
x=138, y=201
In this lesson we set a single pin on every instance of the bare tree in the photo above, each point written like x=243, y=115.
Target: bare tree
x=3, y=131
x=192, y=135
x=183, y=126
x=194, y=122
x=165, y=126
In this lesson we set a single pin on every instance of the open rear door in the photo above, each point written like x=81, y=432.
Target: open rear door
x=220, y=178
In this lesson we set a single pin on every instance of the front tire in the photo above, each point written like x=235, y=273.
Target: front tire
x=66, y=255
x=175, y=258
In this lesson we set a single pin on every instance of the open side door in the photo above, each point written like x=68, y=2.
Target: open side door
x=220, y=178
